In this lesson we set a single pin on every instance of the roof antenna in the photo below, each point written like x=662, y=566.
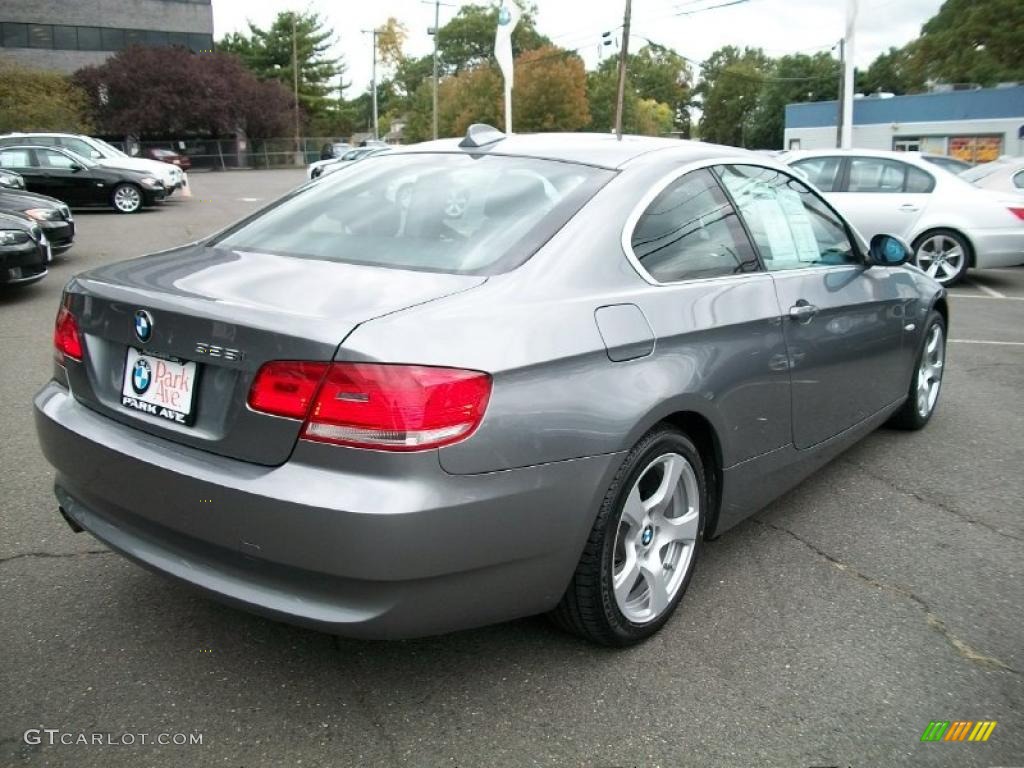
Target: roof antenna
x=480, y=135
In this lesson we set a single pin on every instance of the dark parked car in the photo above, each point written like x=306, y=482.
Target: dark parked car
x=77, y=181
x=537, y=382
x=23, y=250
x=334, y=149
x=11, y=180
x=53, y=217
x=170, y=156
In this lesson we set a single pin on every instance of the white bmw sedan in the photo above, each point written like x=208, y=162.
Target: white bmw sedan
x=952, y=225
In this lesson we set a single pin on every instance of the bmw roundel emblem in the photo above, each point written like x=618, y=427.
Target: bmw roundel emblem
x=143, y=325
x=142, y=376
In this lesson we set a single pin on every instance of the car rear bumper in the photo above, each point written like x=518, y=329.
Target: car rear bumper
x=998, y=247
x=391, y=546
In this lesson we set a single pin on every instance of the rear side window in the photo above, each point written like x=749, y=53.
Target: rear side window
x=791, y=225
x=1018, y=180
x=879, y=174
x=15, y=158
x=691, y=231
x=439, y=212
x=822, y=172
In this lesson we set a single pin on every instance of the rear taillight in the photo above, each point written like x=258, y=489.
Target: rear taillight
x=66, y=338
x=1018, y=212
x=367, y=405
x=286, y=388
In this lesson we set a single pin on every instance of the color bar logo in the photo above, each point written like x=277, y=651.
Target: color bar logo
x=958, y=730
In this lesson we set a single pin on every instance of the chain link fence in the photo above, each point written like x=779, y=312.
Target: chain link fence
x=224, y=154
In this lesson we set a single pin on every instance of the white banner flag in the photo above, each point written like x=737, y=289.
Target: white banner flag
x=508, y=17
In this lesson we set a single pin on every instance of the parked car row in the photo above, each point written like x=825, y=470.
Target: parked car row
x=952, y=225
x=83, y=171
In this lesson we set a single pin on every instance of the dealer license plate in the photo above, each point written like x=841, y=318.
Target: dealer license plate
x=159, y=386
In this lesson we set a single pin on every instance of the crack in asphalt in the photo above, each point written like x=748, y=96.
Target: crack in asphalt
x=84, y=553
x=935, y=621
x=931, y=502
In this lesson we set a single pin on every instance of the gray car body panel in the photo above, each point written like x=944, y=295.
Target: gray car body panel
x=586, y=352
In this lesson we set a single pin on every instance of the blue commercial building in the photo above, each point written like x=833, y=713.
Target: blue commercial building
x=974, y=125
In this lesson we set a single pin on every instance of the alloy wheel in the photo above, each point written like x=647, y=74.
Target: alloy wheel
x=656, y=537
x=127, y=198
x=941, y=257
x=929, y=373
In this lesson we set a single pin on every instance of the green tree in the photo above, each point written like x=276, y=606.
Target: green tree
x=895, y=71
x=472, y=96
x=468, y=39
x=973, y=41
x=268, y=53
x=37, y=100
x=550, y=92
x=660, y=74
x=790, y=79
x=731, y=82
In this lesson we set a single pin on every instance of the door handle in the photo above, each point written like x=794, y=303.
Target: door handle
x=910, y=208
x=803, y=312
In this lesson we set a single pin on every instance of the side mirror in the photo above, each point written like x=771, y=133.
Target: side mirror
x=75, y=167
x=889, y=251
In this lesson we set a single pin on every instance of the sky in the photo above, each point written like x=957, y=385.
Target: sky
x=777, y=26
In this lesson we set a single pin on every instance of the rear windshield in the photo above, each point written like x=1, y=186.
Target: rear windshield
x=455, y=213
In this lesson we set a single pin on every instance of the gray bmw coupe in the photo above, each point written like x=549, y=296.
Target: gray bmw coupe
x=477, y=379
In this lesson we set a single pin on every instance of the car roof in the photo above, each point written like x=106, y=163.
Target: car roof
x=599, y=149
x=46, y=133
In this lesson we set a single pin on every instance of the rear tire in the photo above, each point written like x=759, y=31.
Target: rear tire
x=644, y=544
x=943, y=255
x=126, y=198
x=926, y=383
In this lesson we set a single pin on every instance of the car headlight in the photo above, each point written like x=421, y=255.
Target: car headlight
x=44, y=214
x=13, y=236
x=149, y=181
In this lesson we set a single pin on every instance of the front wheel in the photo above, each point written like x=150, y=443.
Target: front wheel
x=943, y=255
x=643, y=546
x=127, y=198
x=923, y=396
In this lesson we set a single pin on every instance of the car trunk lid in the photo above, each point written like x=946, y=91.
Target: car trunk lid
x=229, y=312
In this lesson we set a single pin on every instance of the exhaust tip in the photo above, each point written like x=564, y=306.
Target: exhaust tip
x=67, y=519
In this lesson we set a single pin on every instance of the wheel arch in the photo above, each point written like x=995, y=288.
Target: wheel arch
x=702, y=432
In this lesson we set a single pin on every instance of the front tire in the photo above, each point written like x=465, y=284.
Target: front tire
x=126, y=198
x=644, y=544
x=926, y=382
x=943, y=255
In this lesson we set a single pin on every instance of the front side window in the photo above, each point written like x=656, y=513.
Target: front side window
x=792, y=227
x=49, y=159
x=79, y=147
x=1018, y=180
x=691, y=231
x=822, y=172
x=439, y=212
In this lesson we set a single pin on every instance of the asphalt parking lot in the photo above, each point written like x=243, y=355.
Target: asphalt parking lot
x=829, y=630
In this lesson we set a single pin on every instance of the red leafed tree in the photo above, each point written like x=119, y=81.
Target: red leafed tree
x=152, y=92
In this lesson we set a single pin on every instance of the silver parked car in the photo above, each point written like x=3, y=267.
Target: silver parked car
x=1003, y=175
x=469, y=381
x=952, y=225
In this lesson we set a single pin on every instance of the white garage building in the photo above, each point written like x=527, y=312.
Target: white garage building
x=976, y=125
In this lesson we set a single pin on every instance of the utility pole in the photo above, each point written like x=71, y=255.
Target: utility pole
x=437, y=18
x=849, y=55
x=839, y=102
x=295, y=87
x=373, y=81
x=623, y=54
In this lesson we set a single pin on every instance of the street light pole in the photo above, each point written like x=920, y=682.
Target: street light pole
x=623, y=54
x=373, y=81
x=295, y=89
x=849, y=55
x=437, y=19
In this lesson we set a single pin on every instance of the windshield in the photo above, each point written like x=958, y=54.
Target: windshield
x=454, y=213
x=110, y=148
x=979, y=172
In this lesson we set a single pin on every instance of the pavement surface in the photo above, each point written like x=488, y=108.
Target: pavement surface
x=885, y=592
